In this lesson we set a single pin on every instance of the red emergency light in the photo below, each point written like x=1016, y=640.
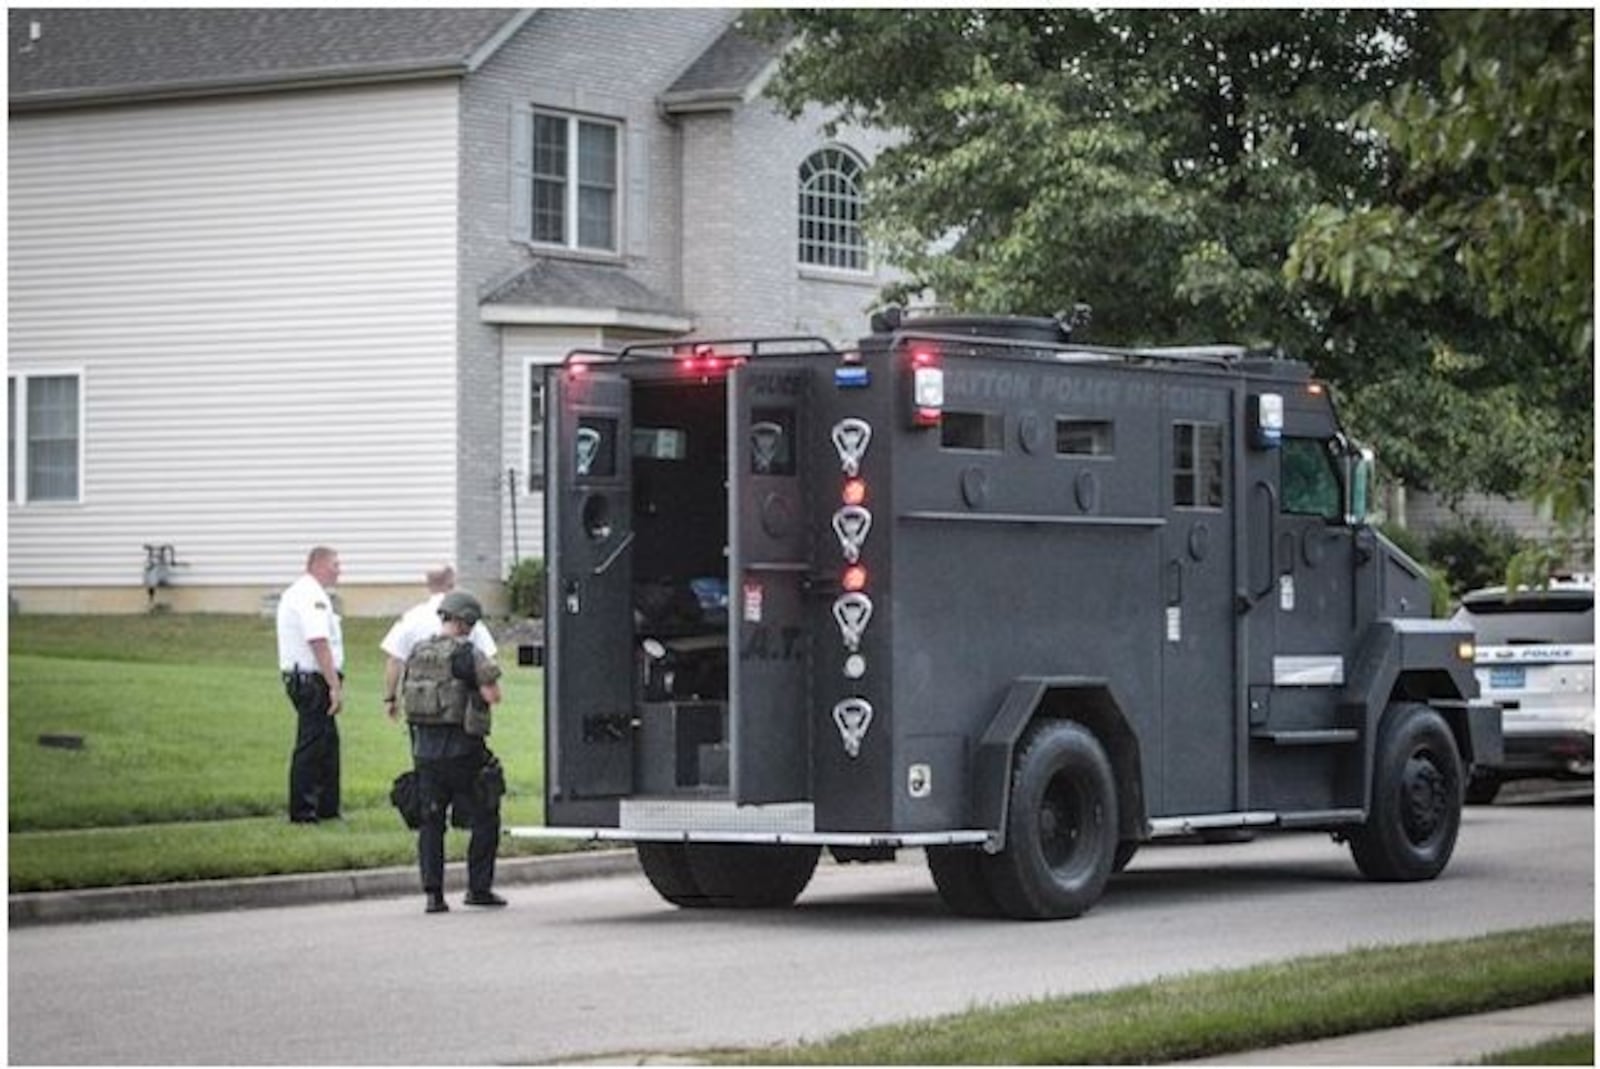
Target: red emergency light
x=704, y=360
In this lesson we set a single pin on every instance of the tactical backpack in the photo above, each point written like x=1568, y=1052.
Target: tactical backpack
x=430, y=693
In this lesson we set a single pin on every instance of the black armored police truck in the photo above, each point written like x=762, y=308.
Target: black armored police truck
x=970, y=587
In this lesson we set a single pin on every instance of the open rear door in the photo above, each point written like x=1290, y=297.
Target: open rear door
x=589, y=569
x=769, y=561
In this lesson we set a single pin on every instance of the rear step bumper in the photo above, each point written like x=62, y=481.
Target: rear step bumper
x=785, y=838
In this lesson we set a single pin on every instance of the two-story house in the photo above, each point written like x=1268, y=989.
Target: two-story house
x=285, y=277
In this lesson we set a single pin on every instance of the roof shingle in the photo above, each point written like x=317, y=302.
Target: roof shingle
x=62, y=55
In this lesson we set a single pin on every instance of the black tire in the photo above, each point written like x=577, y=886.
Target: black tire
x=1061, y=830
x=1482, y=788
x=751, y=876
x=958, y=875
x=1416, y=798
x=666, y=866
x=1125, y=851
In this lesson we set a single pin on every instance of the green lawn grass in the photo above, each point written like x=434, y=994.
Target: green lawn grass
x=1218, y=1013
x=184, y=768
x=1574, y=1049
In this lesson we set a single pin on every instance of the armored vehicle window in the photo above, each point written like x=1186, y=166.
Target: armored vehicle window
x=660, y=443
x=1083, y=438
x=1197, y=465
x=596, y=448
x=1307, y=478
x=772, y=441
x=984, y=431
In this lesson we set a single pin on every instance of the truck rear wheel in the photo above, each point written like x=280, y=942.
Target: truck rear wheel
x=958, y=875
x=1416, y=798
x=1061, y=830
x=666, y=866
x=752, y=876
x=728, y=875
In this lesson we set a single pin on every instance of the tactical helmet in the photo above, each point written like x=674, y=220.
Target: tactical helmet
x=460, y=605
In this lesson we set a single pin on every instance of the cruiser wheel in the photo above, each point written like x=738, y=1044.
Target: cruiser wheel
x=1416, y=798
x=1061, y=830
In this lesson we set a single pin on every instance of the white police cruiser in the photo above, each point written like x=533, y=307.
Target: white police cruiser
x=1535, y=659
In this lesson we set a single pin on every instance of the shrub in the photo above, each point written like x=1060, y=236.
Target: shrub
x=1474, y=552
x=526, y=587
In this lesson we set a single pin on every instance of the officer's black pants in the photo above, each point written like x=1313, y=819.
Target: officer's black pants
x=445, y=783
x=314, y=765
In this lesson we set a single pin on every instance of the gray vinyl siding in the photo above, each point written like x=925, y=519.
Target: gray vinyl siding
x=259, y=293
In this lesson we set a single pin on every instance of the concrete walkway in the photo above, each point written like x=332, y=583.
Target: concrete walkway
x=1451, y=1041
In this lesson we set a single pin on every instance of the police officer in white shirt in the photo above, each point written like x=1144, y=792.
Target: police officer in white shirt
x=420, y=622
x=311, y=658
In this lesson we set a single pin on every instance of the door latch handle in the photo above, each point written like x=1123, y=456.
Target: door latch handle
x=611, y=558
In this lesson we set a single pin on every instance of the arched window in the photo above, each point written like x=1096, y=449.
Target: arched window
x=830, y=210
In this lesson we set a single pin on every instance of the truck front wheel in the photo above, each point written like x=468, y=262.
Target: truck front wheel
x=1061, y=830
x=958, y=875
x=1416, y=798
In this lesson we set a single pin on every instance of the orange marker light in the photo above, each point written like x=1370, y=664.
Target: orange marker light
x=855, y=491
x=855, y=578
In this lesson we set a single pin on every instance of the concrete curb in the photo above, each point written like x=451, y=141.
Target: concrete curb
x=108, y=903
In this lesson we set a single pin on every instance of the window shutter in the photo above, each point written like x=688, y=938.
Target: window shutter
x=521, y=168
x=637, y=182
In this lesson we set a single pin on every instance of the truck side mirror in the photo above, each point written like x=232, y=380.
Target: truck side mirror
x=1358, y=471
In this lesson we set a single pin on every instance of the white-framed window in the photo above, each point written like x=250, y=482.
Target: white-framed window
x=533, y=433
x=44, y=444
x=831, y=194
x=573, y=176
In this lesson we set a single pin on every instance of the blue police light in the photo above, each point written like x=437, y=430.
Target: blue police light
x=852, y=377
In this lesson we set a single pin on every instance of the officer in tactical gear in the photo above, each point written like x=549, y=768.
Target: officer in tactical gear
x=446, y=690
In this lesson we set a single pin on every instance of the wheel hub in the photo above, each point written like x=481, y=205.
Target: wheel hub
x=1423, y=802
x=1061, y=817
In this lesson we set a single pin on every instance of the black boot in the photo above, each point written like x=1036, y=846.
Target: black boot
x=483, y=898
x=436, y=903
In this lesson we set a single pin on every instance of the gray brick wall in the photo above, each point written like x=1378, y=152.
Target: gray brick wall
x=605, y=61
x=741, y=268
x=720, y=228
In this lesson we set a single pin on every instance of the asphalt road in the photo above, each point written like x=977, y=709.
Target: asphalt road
x=596, y=966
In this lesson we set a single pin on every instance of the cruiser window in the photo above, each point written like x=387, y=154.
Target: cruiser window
x=596, y=448
x=981, y=431
x=1083, y=438
x=1307, y=479
x=1197, y=465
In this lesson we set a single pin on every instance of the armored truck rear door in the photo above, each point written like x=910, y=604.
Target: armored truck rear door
x=769, y=562
x=589, y=569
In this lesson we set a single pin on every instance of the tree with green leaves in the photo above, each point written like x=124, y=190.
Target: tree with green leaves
x=1160, y=165
x=1492, y=194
